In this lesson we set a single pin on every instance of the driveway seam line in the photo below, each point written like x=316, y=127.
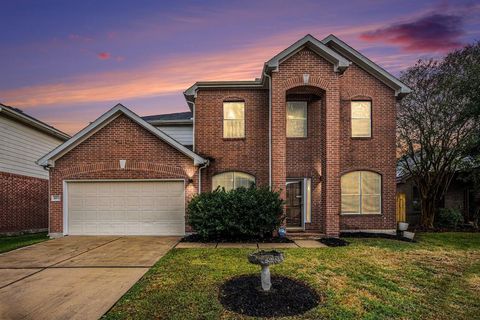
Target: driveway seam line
x=21, y=278
x=43, y=268
x=88, y=250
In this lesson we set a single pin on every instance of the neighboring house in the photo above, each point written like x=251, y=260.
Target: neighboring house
x=24, y=184
x=319, y=125
x=460, y=195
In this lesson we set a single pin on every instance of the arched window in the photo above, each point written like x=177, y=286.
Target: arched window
x=232, y=180
x=361, y=193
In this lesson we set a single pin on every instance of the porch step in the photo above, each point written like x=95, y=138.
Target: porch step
x=299, y=235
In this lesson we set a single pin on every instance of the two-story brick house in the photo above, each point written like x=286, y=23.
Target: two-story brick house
x=319, y=124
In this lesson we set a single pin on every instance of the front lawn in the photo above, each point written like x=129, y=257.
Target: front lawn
x=436, y=278
x=15, y=242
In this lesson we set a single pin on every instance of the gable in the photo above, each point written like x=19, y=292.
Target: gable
x=103, y=120
x=338, y=61
x=366, y=64
x=306, y=61
x=123, y=138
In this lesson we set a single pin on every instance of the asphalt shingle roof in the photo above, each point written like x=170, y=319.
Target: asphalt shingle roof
x=170, y=116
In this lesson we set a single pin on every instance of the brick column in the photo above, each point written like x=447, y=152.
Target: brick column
x=332, y=161
x=278, y=136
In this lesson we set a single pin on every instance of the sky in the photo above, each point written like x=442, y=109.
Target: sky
x=67, y=62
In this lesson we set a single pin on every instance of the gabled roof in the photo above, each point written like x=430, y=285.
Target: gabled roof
x=103, y=120
x=339, y=62
x=170, y=118
x=31, y=121
x=334, y=50
x=363, y=62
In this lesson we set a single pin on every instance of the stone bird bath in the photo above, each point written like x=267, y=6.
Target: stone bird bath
x=265, y=259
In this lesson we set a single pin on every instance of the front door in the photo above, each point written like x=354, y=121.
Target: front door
x=294, y=203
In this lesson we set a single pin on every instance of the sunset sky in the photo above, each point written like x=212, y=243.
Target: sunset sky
x=67, y=62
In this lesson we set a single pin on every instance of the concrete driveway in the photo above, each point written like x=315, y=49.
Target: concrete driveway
x=74, y=277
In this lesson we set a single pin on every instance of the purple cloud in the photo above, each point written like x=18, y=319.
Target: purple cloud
x=434, y=32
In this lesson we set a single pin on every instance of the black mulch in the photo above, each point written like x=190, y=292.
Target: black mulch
x=375, y=235
x=334, y=242
x=196, y=238
x=287, y=297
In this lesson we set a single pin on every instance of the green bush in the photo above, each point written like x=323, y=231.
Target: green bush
x=449, y=218
x=240, y=213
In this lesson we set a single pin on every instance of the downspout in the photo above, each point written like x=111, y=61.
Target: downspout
x=207, y=163
x=269, y=129
x=193, y=129
x=49, y=199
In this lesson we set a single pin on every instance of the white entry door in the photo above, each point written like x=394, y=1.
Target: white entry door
x=126, y=208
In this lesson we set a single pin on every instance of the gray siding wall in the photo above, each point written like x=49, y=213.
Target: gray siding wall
x=181, y=133
x=21, y=146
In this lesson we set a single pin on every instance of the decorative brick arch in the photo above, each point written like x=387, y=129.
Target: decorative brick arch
x=131, y=165
x=353, y=94
x=299, y=81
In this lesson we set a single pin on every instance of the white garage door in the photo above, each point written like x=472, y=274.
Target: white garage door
x=126, y=208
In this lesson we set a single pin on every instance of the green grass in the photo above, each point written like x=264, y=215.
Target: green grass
x=436, y=278
x=15, y=242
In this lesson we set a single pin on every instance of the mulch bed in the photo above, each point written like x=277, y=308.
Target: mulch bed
x=287, y=297
x=196, y=238
x=460, y=228
x=375, y=235
x=334, y=242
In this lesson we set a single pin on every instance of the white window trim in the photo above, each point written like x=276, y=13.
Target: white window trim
x=360, y=194
x=369, y=118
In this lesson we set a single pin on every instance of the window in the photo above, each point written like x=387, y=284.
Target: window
x=233, y=119
x=296, y=119
x=361, y=119
x=232, y=180
x=415, y=199
x=361, y=192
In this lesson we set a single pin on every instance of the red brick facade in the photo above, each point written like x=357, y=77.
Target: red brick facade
x=23, y=203
x=98, y=158
x=249, y=154
x=324, y=155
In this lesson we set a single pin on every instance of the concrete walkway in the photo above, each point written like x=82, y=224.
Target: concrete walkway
x=74, y=277
x=224, y=245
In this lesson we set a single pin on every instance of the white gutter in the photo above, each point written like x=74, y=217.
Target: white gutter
x=193, y=116
x=35, y=123
x=269, y=129
x=207, y=163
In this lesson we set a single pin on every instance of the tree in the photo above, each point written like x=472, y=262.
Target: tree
x=437, y=123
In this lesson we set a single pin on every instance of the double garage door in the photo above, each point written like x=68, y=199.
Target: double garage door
x=126, y=208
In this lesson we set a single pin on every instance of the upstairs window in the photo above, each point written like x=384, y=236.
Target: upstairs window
x=232, y=180
x=233, y=119
x=361, y=119
x=361, y=192
x=296, y=119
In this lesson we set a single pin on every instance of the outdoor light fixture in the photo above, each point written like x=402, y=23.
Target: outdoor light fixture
x=122, y=164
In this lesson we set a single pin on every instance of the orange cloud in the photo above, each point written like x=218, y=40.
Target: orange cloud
x=155, y=79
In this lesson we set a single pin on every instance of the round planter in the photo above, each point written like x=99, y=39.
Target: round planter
x=402, y=226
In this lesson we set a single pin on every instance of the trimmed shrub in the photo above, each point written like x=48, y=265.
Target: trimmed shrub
x=240, y=213
x=449, y=218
